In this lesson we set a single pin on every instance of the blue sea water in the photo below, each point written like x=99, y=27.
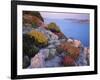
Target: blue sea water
x=73, y=29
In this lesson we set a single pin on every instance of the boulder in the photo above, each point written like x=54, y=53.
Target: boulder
x=62, y=40
x=68, y=61
x=45, y=52
x=29, y=48
x=37, y=61
x=70, y=40
x=51, y=46
x=57, y=43
x=53, y=27
x=40, y=38
x=87, y=54
x=53, y=42
x=81, y=60
x=34, y=18
x=34, y=13
x=26, y=61
x=77, y=43
x=52, y=51
x=47, y=33
x=59, y=49
x=26, y=29
x=71, y=49
x=54, y=62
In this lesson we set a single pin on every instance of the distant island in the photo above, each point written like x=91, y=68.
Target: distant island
x=79, y=20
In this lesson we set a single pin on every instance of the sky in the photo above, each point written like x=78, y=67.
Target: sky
x=55, y=15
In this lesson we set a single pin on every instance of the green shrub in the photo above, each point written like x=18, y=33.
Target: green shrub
x=53, y=27
x=40, y=38
x=29, y=48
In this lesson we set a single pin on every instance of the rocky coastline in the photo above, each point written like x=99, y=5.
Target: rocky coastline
x=44, y=45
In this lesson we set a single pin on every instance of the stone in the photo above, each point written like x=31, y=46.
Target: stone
x=81, y=61
x=52, y=53
x=37, y=61
x=57, y=43
x=86, y=51
x=87, y=54
x=30, y=18
x=51, y=42
x=71, y=49
x=47, y=33
x=45, y=52
x=27, y=25
x=26, y=61
x=54, y=62
x=51, y=46
x=68, y=61
x=77, y=43
x=26, y=29
x=54, y=42
x=62, y=40
x=59, y=49
x=69, y=40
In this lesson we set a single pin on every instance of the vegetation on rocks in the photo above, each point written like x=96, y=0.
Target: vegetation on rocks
x=71, y=49
x=46, y=46
x=39, y=37
x=53, y=27
x=68, y=61
x=29, y=48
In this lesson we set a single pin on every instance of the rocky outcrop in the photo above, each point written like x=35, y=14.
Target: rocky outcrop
x=39, y=37
x=33, y=18
x=34, y=13
x=46, y=46
x=68, y=61
x=53, y=27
